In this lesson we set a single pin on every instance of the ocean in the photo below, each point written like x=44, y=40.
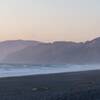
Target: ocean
x=11, y=70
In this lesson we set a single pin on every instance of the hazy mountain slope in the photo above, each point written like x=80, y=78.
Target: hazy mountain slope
x=8, y=47
x=58, y=53
x=43, y=53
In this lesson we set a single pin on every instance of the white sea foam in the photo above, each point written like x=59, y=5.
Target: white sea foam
x=22, y=70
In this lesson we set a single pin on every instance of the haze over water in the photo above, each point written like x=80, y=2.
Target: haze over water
x=23, y=70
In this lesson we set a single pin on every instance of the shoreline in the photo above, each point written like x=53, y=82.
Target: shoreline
x=42, y=74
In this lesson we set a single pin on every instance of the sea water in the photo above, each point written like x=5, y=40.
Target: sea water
x=10, y=70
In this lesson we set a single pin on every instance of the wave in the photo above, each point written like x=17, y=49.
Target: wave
x=10, y=70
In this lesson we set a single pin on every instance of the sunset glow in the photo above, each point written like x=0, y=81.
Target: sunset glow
x=49, y=20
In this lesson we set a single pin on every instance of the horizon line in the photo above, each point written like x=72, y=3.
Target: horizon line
x=52, y=41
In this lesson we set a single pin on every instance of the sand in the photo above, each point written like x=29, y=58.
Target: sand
x=64, y=86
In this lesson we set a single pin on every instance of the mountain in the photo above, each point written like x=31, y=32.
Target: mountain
x=59, y=52
x=11, y=46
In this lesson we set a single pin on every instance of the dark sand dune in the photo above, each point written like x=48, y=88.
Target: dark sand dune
x=65, y=86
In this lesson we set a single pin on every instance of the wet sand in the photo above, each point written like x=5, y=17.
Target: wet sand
x=63, y=86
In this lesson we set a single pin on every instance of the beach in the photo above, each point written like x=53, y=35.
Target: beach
x=84, y=85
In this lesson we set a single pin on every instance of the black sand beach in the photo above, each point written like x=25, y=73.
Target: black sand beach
x=64, y=86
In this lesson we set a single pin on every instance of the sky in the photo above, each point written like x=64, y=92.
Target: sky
x=49, y=20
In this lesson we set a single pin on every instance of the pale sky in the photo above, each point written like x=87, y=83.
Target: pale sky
x=49, y=20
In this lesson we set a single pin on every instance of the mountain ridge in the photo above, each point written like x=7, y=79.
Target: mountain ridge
x=58, y=52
